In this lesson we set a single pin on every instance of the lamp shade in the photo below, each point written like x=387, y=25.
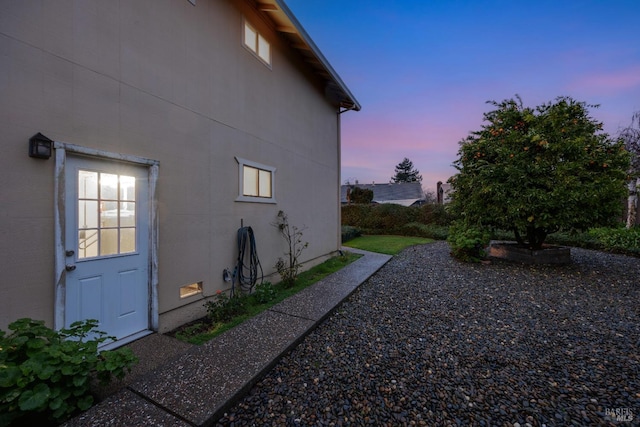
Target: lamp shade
x=40, y=146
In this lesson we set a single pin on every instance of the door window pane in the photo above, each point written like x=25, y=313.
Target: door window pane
x=127, y=188
x=127, y=214
x=108, y=186
x=108, y=241
x=87, y=243
x=87, y=214
x=127, y=240
x=106, y=214
x=88, y=185
x=109, y=214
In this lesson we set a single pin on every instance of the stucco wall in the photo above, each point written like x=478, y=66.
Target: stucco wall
x=171, y=82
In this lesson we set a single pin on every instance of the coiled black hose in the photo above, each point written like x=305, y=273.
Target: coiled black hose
x=246, y=272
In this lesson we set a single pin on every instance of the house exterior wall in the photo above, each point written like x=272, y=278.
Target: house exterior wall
x=168, y=81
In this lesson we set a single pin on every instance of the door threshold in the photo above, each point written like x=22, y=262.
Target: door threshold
x=126, y=340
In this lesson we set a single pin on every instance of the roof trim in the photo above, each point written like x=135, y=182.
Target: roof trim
x=289, y=26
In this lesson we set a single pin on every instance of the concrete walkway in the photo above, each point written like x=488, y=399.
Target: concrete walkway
x=188, y=385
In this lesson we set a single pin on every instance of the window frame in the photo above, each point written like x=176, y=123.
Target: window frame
x=254, y=46
x=255, y=199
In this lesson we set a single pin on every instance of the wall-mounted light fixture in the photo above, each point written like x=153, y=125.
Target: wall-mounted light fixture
x=40, y=146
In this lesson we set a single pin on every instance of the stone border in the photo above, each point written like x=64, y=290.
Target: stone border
x=549, y=254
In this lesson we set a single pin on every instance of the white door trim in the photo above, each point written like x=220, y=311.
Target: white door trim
x=62, y=148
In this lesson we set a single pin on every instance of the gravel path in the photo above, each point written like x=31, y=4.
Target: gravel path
x=431, y=341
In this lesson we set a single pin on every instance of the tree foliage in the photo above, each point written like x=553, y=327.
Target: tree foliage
x=360, y=195
x=405, y=172
x=535, y=171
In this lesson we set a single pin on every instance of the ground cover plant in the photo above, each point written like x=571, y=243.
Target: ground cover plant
x=468, y=243
x=537, y=171
x=45, y=375
x=225, y=312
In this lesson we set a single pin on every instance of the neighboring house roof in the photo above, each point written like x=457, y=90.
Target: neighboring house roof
x=287, y=25
x=402, y=193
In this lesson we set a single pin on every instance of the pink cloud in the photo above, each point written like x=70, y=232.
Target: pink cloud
x=612, y=82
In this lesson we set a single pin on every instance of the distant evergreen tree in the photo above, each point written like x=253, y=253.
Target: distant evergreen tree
x=406, y=173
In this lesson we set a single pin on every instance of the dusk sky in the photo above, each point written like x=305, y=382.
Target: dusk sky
x=423, y=70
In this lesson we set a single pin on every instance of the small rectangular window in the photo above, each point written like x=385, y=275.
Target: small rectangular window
x=192, y=289
x=255, y=181
x=250, y=181
x=250, y=38
x=256, y=43
x=264, y=50
x=264, y=183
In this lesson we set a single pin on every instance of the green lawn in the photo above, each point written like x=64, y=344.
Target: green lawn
x=390, y=245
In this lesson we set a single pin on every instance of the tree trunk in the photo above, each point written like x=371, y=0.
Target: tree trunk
x=632, y=202
x=519, y=239
x=536, y=237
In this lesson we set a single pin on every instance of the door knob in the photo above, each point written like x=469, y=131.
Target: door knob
x=69, y=267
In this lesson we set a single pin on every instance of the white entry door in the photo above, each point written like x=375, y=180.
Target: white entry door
x=106, y=245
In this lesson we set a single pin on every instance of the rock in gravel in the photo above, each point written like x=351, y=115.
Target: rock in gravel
x=431, y=341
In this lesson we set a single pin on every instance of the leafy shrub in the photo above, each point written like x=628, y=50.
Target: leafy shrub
x=361, y=195
x=412, y=229
x=288, y=269
x=397, y=219
x=418, y=229
x=468, y=242
x=223, y=308
x=349, y=232
x=45, y=374
x=263, y=293
x=581, y=240
x=353, y=215
x=390, y=216
x=433, y=213
x=438, y=232
x=618, y=239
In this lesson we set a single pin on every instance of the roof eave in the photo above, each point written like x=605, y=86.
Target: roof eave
x=287, y=24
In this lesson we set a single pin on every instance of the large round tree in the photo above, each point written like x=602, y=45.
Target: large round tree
x=536, y=171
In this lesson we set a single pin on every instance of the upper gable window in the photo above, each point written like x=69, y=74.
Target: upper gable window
x=256, y=43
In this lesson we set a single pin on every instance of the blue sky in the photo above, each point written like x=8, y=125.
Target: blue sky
x=423, y=69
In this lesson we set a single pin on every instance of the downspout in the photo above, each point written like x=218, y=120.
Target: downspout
x=339, y=130
x=339, y=139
